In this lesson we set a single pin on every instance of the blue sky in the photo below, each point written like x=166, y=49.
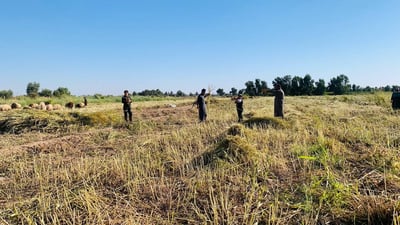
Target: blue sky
x=96, y=46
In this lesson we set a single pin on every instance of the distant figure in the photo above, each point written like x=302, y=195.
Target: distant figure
x=396, y=99
x=69, y=105
x=80, y=105
x=201, y=105
x=239, y=107
x=85, y=101
x=126, y=100
x=278, y=101
x=15, y=105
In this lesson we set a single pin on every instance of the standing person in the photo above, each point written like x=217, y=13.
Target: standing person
x=85, y=101
x=201, y=105
x=239, y=107
x=395, y=99
x=278, y=101
x=127, y=100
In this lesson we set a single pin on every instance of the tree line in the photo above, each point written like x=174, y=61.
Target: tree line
x=292, y=86
x=296, y=86
x=32, y=90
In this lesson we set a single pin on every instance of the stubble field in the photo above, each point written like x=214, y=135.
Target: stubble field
x=332, y=160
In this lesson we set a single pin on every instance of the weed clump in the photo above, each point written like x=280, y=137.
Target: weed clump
x=232, y=149
x=96, y=119
x=266, y=122
x=238, y=130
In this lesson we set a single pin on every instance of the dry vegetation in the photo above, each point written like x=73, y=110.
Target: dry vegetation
x=332, y=160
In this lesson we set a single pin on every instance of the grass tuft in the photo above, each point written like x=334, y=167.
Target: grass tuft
x=266, y=122
x=233, y=149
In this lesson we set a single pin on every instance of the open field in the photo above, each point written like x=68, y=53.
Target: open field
x=332, y=160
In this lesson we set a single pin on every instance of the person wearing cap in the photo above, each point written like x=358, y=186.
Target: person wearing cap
x=201, y=105
x=278, y=101
x=126, y=101
x=239, y=107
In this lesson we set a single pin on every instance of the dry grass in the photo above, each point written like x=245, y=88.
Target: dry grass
x=332, y=160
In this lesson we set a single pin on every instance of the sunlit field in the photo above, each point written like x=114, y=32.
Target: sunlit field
x=331, y=160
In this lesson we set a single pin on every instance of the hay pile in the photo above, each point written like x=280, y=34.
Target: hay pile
x=266, y=122
x=48, y=122
x=233, y=148
x=28, y=121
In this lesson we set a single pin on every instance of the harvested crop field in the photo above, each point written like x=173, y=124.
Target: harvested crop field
x=332, y=160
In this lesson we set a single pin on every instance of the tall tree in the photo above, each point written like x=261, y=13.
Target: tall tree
x=32, y=89
x=180, y=93
x=257, y=85
x=61, y=91
x=319, y=87
x=45, y=93
x=307, y=85
x=264, y=88
x=296, y=88
x=250, y=88
x=339, y=85
x=220, y=92
x=285, y=82
x=6, y=94
x=233, y=91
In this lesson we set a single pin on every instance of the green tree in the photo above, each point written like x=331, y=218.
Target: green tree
x=319, y=87
x=233, y=91
x=257, y=85
x=339, y=85
x=61, y=91
x=220, y=92
x=264, y=88
x=250, y=88
x=296, y=85
x=156, y=92
x=32, y=89
x=180, y=93
x=6, y=94
x=307, y=85
x=285, y=82
x=45, y=93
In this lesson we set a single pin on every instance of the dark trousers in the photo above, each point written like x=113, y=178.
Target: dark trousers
x=396, y=103
x=202, y=115
x=240, y=114
x=128, y=114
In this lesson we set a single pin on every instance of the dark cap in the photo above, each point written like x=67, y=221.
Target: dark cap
x=126, y=91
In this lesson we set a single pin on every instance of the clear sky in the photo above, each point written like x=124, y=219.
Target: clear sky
x=97, y=46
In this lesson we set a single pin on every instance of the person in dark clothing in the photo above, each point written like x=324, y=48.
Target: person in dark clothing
x=201, y=105
x=239, y=107
x=85, y=101
x=278, y=101
x=127, y=100
x=395, y=99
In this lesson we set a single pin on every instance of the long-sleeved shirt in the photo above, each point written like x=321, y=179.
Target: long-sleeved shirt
x=126, y=100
